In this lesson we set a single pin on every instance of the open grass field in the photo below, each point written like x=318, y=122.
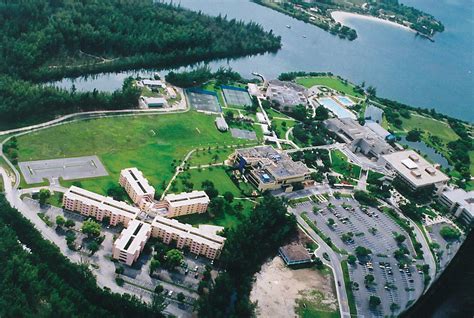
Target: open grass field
x=281, y=128
x=150, y=143
x=227, y=220
x=340, y=165
x=205, y=157
x=329, y=81
x=433, y=126
x=217, y=175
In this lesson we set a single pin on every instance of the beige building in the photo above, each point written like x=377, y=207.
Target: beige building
x=132, y=240
x=199, y=241
x=137, y=187
x=98, y=206
x=268, y=169
x=186, y=203
x=414, y=170
x=460, y=203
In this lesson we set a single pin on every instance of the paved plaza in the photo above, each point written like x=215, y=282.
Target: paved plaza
x=65, y=168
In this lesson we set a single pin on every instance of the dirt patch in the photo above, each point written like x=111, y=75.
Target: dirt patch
x=278, y=288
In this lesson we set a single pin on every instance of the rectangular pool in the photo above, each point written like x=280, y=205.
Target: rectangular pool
x=335, y=108
x=346, y=101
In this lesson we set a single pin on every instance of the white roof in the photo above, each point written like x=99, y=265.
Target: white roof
x=132, y=238
x=260, y=117
x=187, y=231
x=415, y=168
x=153, y=82
x=154, y=100
x=465, y=199
x=376, y=128
x=102, y=202
x=187, y=198
x=138, y=182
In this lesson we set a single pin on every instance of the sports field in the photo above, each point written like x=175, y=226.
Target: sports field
x=150, y=143
x=331, y=82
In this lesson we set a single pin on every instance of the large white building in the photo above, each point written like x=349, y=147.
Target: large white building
x=132, y=240
x=460, y=203
x=199, y=241
x=186, y=203
x=414, y=170
x=98, y=206
x=137, y=187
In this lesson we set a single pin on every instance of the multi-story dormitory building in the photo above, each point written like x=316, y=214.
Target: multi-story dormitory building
x=142, y=194
x=98, y=206
x=128, y=246
x=137, y=187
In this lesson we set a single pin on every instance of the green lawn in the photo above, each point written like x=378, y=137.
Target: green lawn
x=281, y=130
x=208, y=156
x=350, y=293
x=340, y=165
x=55, y=199
x=150, y=143
x=329, y=81
x=433, y=126
x=227, y=220
x=217, y=175
x=2, y=188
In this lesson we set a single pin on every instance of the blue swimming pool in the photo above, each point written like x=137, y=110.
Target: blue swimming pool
x=344, y=100
x=335, y=108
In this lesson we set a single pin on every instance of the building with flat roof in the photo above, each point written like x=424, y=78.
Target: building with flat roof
x=379, y=130
x=460, y=203
x=130, y=243
x=199, y=241
x=414, y=170
x=137, y=186
x=155, y=101
x=359, y=138
x=98, y=206
x=286, y=94
x=294, y=254
x=186, y=203
x=221, y=124
x=269, y=169
x=153, y=83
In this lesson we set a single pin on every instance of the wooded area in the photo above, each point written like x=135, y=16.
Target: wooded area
x=38, y=281
x=47, y=40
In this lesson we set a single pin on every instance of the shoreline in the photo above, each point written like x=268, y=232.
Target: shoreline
x=341, y=16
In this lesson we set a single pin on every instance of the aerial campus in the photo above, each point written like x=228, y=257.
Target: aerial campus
x=167, y=159
x=148, y=201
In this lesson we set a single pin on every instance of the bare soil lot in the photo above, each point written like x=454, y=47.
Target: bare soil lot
x=278, y=288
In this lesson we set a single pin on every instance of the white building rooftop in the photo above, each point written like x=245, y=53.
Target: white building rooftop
x=187, y=198
x=102, y=202
x=188, y=231
x=137, y=181
x=463, y=198
x=133, y=237
x=415, y=168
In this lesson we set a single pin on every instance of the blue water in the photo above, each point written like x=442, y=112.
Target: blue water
x=400, y=65
x=344, y=100
x=335, y=108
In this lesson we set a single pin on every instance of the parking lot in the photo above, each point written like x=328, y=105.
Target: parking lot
x=374, y=230
x=65, y=168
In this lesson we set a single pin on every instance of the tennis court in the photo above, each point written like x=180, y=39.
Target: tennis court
x=204, y=101
x=243, y=134
x=235, y=96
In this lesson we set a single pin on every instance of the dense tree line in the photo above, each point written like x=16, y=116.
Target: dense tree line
x=46, y=40
x=36, y=280
x=22, y=102
x=144, y=32
x=247, y=247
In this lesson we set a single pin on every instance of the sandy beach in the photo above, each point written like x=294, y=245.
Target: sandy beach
x=342, y=16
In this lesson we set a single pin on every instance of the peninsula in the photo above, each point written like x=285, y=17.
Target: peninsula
x=319, y=13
